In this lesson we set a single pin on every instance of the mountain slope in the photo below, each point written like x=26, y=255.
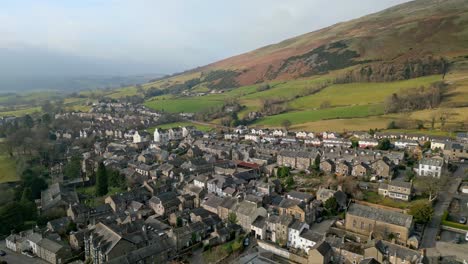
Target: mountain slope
x=400, y=36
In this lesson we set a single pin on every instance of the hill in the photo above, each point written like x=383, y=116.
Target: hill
x=394, y=42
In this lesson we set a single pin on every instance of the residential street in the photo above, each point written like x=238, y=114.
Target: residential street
x=445, y=196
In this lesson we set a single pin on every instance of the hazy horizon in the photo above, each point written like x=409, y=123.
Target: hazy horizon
x=54, y=39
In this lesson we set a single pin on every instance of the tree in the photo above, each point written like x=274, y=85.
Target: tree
x=101, y=180
x=354, y=143
x=409, y=174
x=73, y=168
x=116, y=179
x=283, y=172
x=316, y=164
x=232, y=218
x=426, y=145
x=384, y=144
x=286, y=124
x=28, y=121
x=422, y=212
x=430, y=186
x=290, y=181
x=392, y=125
x=331, y=205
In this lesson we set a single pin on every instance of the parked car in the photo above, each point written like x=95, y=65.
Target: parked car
x=466, y=237
x=246, y=242
x=2, y=253
x=462, y=220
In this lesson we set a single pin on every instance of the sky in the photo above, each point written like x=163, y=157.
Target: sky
x=125, y=37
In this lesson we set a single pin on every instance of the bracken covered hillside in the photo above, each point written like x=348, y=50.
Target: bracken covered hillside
x=402, y=42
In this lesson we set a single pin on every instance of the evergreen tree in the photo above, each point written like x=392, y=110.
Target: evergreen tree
x=101, y=180
x=316, y=165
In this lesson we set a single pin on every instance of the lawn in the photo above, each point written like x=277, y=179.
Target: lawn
x=375, y=198
x=90, y=192
x=300, y=117
x=185, y=105
x=181, y=124
x=7, y=166
x=213, y=255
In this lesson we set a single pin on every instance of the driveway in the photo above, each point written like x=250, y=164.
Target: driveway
x=442, y=204
x=16, y=258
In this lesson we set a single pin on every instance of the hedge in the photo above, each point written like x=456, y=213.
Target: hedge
x=445, y=222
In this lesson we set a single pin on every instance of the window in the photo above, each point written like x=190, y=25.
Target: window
x=354, y=223
x=362, y=225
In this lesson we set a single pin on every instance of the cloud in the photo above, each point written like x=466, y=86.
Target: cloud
x=164, y=36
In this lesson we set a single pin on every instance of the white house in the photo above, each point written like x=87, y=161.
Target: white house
x=252, y=137
x=13, y=242
x=129, y=134
x=259, y=132
x=241, y=130
x=140, y=137
x=329, y=135
x=368, y=143
x=301, y=134
x=294, y=236
x=175, y=133
x=186, y=131
x=308, y=239
x=200, y=181
x=438, y=145
x=405, y=143
x=313, y=142
x=231, y=136
x=430, y=167
x=279, y=133
x=270, y=139
x=160, y=135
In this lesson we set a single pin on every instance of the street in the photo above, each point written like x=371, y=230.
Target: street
x=443, y=201
x=16, y=258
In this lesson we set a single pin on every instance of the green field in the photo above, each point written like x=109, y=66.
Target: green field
x=315, y=115
x=7, y=166
x=21, y=112
x=359, y=93
x=181, y=124
x=189, y=105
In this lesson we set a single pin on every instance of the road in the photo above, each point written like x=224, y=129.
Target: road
x=445, y=197
x=16, y=258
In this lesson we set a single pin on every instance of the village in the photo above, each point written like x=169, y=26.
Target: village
x=248, y=195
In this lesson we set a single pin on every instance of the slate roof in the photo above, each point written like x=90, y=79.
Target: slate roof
x=311, y=235
x=401, y=252
x=259, y=222
x=381, y=215
x=50, y=245
x=432, y=162
x=157, y=247
x=300, y=195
